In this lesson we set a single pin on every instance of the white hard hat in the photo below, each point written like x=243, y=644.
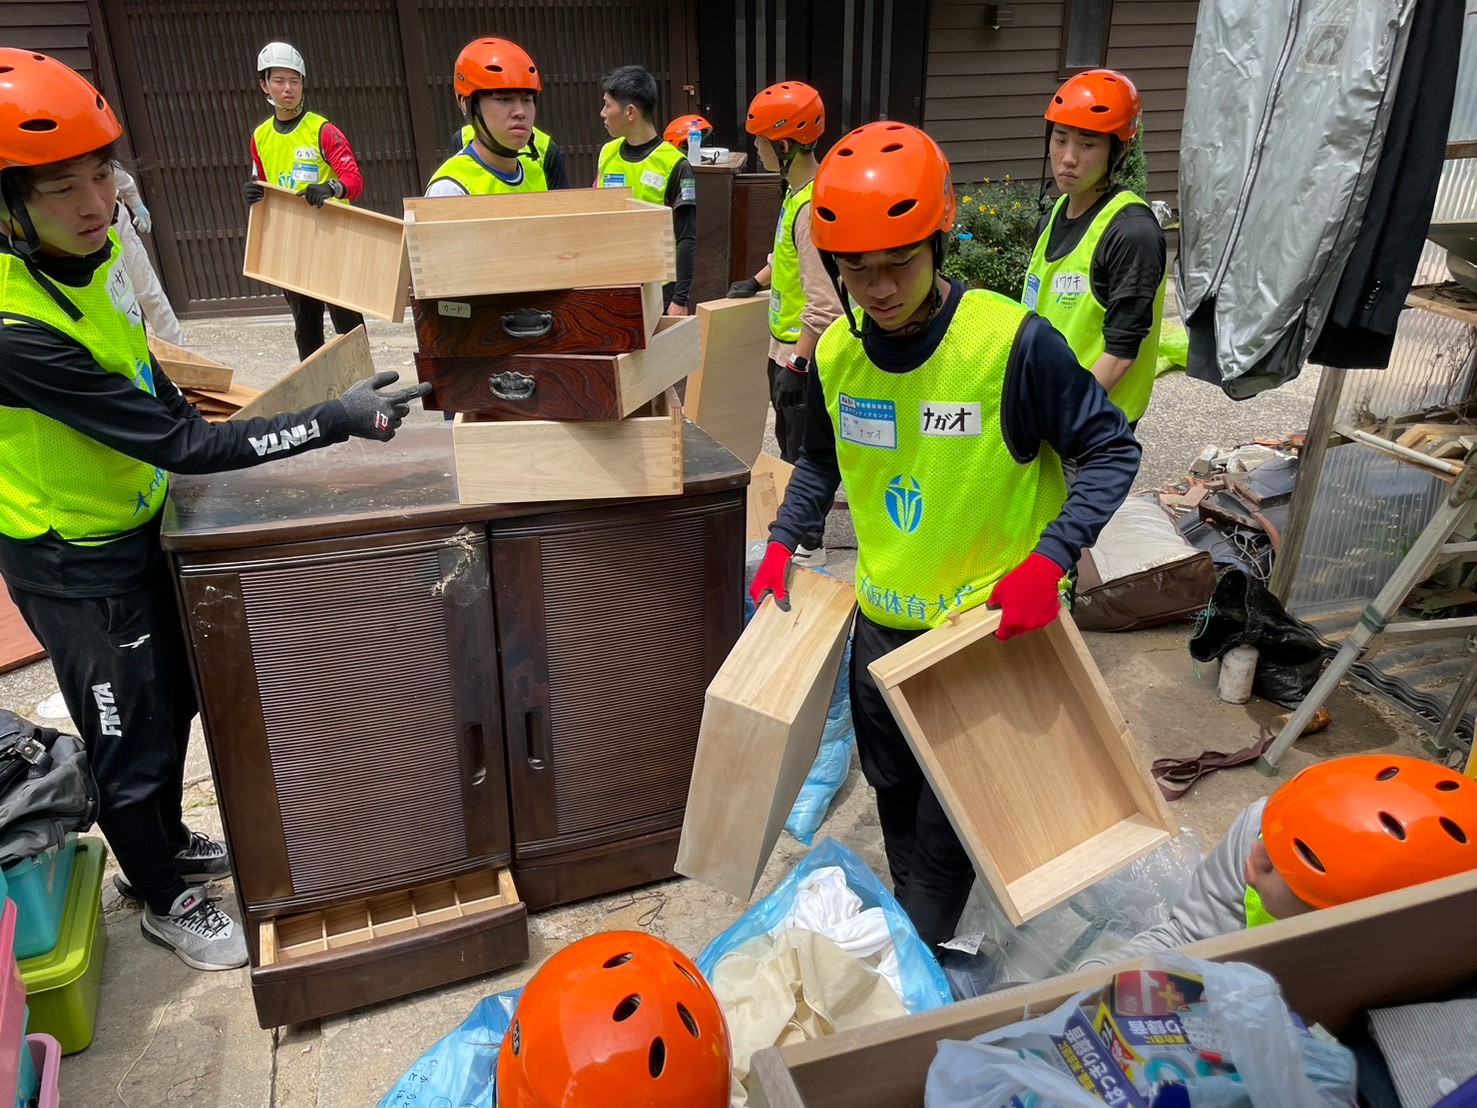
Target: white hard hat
x=279, y=55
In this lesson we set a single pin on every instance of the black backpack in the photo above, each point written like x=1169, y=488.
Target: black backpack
x=46, y=788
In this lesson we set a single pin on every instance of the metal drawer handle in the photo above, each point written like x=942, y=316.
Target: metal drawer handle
x=528, y=323
x=512, y=386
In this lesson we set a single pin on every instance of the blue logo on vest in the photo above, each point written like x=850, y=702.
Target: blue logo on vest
x=905, y=503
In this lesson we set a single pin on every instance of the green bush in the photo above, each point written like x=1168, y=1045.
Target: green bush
x=994, y=234
x=1134, y=173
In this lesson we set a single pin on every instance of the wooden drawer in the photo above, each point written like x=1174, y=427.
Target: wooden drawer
x=609, y=320
x=564, y=386
x=365, y=951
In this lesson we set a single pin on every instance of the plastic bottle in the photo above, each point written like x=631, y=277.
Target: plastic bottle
x=695, y=144
x=1238, y=669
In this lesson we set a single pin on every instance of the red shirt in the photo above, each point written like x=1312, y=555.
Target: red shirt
x=336, y=152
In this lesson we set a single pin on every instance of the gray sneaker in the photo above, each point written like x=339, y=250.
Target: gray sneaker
x=203, y=860
x=199, y=930
x=810, y=557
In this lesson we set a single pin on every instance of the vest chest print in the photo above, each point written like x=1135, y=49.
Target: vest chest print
x=120, y=292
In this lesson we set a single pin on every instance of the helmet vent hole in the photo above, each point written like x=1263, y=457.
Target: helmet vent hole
x=656, y=1058
x=826, y=214
x=6, y=68
x=100, y=104
x=517, y=1043
x=891, y=146
x=618, y=960
x=685, y=972
x=902, y=207
x=1098, y=108
x=845, y=152
x=492, y=68
x=1448, y=786
x=1393, y=825
x=687, y=1020
x=39, y=125
x=1451, y=828
x=626, y=1008
x=1387, y=773
x=1305, y=852
x=1059, y=100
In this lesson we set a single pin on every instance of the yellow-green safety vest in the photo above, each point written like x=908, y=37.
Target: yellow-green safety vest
x=786, y=293
x=1062, y=292
x=647, y=179
x=295, y=160
x=538, y=144
x=1256, y=911
x=54, y=479
x=469, y=172
x=941, y=508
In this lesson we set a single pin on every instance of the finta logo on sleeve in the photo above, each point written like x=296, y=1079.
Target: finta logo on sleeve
x=291, y=438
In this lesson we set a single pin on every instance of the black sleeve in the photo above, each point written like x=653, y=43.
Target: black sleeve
x=167, y=391
x=1127, y=269
x=817, y=476
x=555, y=171
x=1050, y=398
x=684, y=223
x=48, y=372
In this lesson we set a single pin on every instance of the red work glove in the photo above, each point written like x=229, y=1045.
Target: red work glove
x=1029, y=596
x=771, y=576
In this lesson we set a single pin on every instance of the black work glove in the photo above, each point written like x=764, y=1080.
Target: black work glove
x=745, y=288
x=252, y=190
x=789, y=385
x=374, y=414
x=318, y=195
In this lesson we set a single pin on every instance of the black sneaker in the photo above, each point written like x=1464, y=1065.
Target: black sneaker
x=199, y=931
x=203, y=860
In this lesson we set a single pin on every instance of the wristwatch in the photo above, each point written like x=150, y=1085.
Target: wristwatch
x=798, y=364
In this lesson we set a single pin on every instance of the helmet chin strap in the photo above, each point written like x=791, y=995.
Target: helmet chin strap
x=939, y=245
x=27, y=246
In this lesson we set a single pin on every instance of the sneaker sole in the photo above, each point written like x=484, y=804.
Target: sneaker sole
x=126, y=890
x=193, y=963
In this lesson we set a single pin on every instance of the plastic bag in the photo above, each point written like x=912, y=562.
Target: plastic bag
x=1242, y=612
x=460, y=1071
x=48, y=791
x=1276, y=1061
x=990, y=954
x=832, y=762
x=923, y=982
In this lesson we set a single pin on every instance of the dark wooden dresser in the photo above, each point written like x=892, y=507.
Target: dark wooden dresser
x=425, y=718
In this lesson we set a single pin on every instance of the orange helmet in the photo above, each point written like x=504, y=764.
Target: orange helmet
x=883, y=186
x=788, y=110
x=1367, y=824
x=1098, y=100
x=676, y=132
x=48, y=111
x=616, y=1018
x=495, y=63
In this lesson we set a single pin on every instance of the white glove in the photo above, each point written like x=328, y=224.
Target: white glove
x=142, y=219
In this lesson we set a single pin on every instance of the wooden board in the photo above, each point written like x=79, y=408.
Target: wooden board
x=220, y=406
x=762, y=721
x=609, y=320
x=518, y=461
x=18, y=647
x=324, y=376
x=188, y=369
x=1028, y=755
x=524, y=242
x=564, y=386
x=339, y=254
x=1331, y=965
x=769, y=477
x=728, y=397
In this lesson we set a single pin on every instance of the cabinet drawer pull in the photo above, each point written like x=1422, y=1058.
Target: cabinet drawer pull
x=539, y=744
x=528, y=323
x=512, y=385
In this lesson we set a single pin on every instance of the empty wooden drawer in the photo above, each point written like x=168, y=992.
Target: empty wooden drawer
x=520, y=242
x=609, y=320
x=563, y=386
x=1028, y=755
x=365, y=951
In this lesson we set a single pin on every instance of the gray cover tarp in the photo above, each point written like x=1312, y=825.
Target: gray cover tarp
x=1285, y=113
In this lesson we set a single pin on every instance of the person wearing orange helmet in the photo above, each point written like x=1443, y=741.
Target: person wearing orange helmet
x=90, y=429
x=638, y=158
x=300, y=150
x=619, y=1017
x=1338, y=831
x=680, y=130
x=1098, y=268
x=947, y=414
x=497, y=87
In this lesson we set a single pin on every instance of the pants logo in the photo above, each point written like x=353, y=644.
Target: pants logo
x=107, y=710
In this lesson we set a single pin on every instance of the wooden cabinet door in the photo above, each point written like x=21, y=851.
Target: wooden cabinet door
x=610, y=625
x=350, y=700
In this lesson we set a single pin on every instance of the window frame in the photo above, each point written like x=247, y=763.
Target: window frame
x=1063, y=70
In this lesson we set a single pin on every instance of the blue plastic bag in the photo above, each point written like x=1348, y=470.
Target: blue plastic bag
x=460, y=1070
x=833, y=759
x=924, y=986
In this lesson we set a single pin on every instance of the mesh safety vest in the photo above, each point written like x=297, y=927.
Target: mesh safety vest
x=786, y=294
x=55, y=479
x=538, y=144
x=1062, y=292
x=473, y=175
x=295, y=160
x=1256, y=911
x=942, y=510
x=647, y=179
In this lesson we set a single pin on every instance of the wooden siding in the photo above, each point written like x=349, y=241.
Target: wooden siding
x=987, y=89
x=55, y=27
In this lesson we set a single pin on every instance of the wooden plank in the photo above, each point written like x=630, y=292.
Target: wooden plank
x=462, y=246
x=762, y=721
x=188, y=369
x=18, y=647
x=339, y=254
x=324, y=376
x=728, y=397
x=1028, y=755
x=768, y=479
x=518, y=461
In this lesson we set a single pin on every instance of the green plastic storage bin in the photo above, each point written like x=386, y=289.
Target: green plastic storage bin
x=62, y=985
x=39, y=888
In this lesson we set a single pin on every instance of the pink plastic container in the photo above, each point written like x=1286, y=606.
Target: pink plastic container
x=46, y=1055
x=12, y=1007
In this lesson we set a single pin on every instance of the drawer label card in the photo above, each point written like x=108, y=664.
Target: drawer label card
x=458, y=308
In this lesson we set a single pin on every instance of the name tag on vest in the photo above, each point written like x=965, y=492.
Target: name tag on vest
x=612, y=180
x=652, y=179
x=1033, y=291
x=949, y=419
x=120, y=292
x=868, y=422
x=1069, y=284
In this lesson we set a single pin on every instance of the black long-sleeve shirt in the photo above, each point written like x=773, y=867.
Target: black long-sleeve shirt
x=681, y=197
x=1047, y=398
x=47, y=371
